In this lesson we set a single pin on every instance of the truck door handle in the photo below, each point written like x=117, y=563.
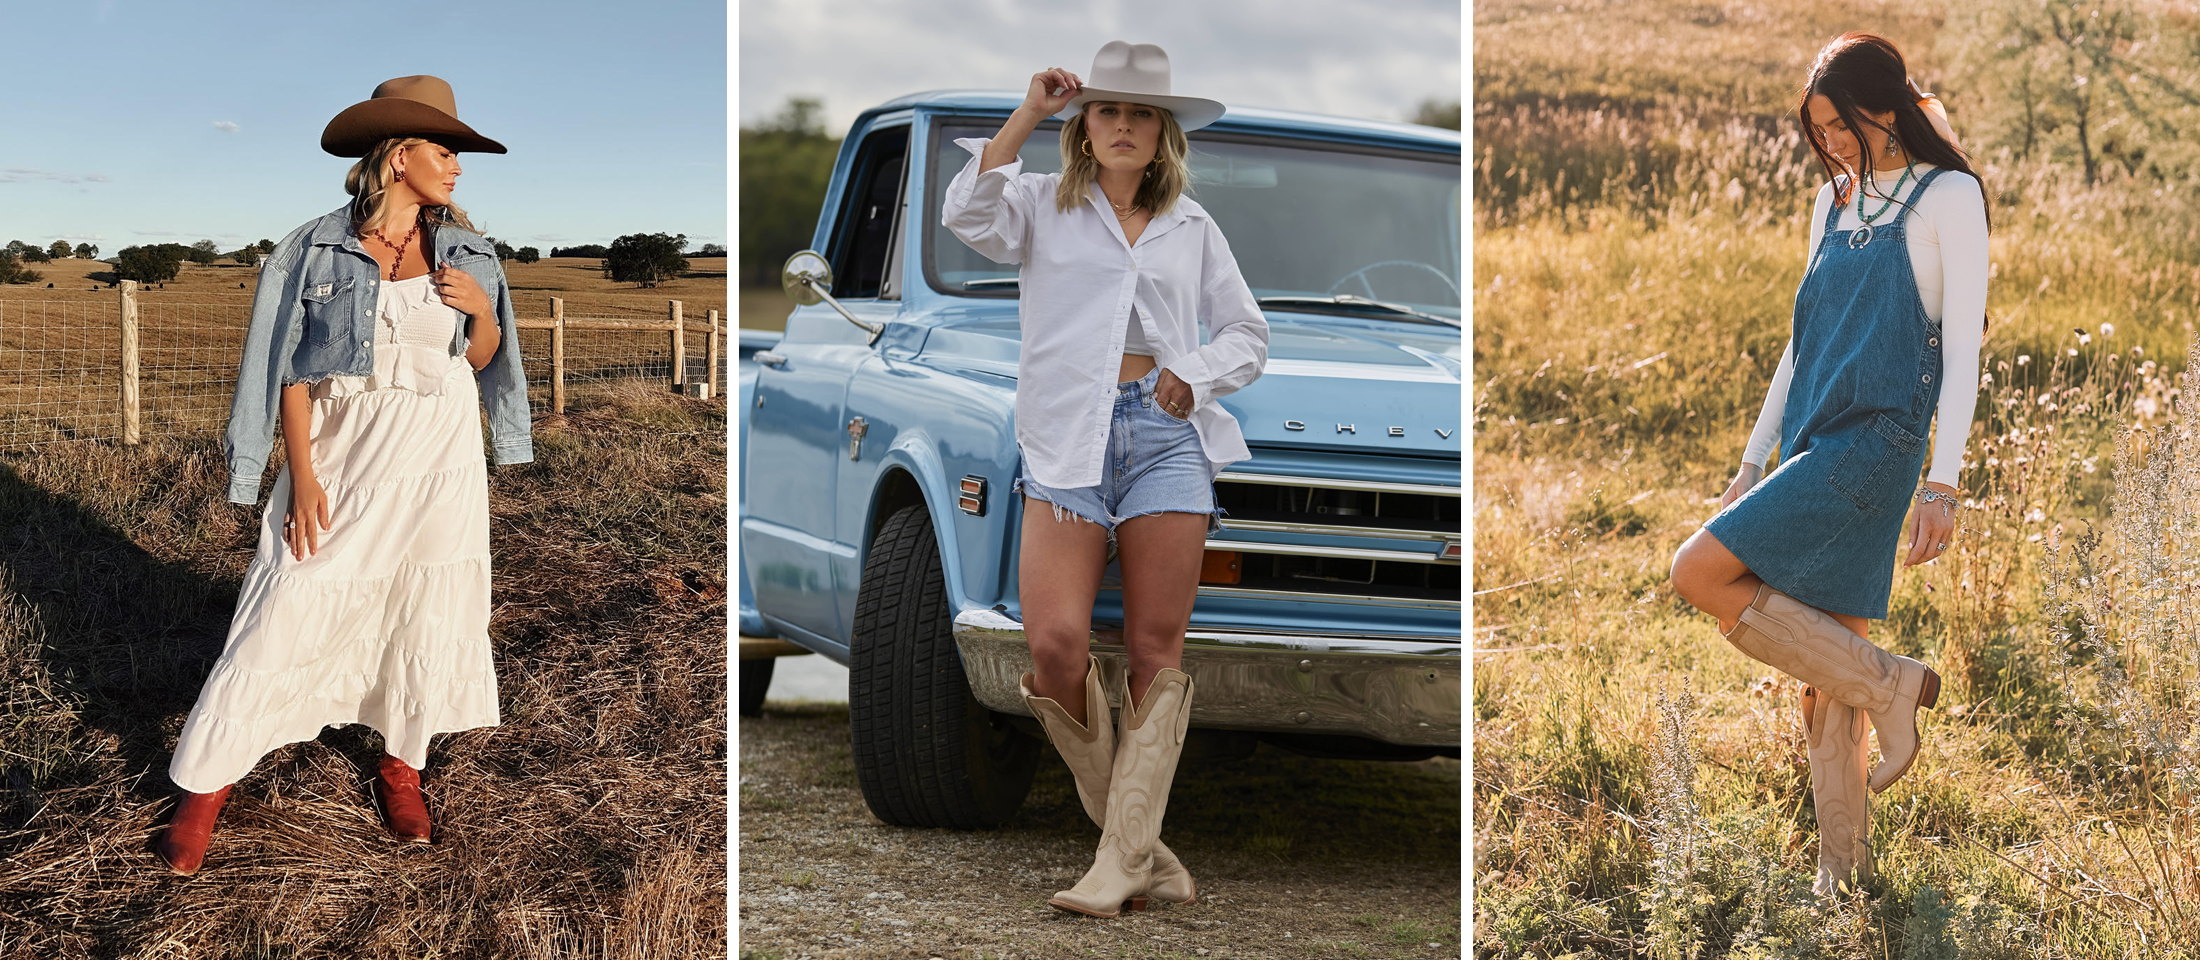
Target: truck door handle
x=770, y=359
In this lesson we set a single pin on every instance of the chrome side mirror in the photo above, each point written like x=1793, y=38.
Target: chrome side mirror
x=808, y=281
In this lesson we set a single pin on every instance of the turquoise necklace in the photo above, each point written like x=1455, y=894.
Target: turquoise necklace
x=1863, y=235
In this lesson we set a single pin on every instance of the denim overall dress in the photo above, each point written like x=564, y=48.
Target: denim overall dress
x=1825, y=526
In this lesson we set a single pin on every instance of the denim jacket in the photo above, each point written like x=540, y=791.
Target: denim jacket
x=313, y=318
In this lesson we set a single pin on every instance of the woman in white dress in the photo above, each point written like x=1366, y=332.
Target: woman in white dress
x=377, y=332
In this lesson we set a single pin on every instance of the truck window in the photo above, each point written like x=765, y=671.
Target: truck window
x=863, y=234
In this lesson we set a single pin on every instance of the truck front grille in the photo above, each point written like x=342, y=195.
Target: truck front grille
x=1339, y=540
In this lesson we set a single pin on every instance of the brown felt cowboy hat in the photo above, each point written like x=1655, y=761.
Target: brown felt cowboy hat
x=419, y=106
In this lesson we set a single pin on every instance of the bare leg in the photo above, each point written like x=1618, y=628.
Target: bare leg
x=1160, y=554
x=1057, y=575
x=1708, y=575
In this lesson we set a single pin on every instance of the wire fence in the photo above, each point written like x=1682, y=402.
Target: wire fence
x=124, y=369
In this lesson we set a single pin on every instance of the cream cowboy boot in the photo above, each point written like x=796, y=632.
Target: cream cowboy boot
x=1809, y=645
x=1834, y=737
x=1147, y=747
x=1089, y=750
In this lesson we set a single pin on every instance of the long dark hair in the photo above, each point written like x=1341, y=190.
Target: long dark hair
x=1861, y=72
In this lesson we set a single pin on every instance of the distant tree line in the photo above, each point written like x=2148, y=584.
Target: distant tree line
x=786, y=164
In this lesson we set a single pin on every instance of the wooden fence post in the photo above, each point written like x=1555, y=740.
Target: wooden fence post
x=679, y=348
x=130, y=422
x=557, y=355
x=711, y=387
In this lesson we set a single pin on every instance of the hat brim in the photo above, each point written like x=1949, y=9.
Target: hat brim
x=1191, y=113
x=362, y=125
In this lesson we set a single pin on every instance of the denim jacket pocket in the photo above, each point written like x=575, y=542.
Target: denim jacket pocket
x=1871, y=472
x=327, y=306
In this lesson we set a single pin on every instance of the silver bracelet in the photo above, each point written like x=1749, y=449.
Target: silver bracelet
x=1928, y=495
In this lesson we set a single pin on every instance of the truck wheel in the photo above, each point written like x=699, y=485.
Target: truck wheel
x=927, y=753
x=756, y=679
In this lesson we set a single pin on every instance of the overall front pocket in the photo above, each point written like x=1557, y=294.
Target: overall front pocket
x=328, y=308
x=1879, y=467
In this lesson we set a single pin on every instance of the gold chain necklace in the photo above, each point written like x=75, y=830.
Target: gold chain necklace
x=1122, y=213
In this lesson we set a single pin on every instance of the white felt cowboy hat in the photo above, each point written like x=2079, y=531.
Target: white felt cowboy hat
x=1139, y=73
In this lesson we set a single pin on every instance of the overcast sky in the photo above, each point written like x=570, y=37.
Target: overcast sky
x=1361, y=58
x=146, y=121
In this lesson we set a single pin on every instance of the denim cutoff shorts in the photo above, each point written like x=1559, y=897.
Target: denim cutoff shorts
x=1154, y=465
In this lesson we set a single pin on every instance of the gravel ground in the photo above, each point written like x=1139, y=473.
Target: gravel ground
x=1294, y=857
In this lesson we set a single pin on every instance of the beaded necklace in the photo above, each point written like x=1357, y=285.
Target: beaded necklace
x=1863, y=235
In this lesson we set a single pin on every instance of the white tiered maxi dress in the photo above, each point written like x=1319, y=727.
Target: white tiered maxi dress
x=388, y=623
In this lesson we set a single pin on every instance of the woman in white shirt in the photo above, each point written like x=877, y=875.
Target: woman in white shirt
x=1118, y=425
x=1886, y=334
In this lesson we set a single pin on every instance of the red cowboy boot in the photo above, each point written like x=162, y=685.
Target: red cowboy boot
x=398, y=786
x=182, y=846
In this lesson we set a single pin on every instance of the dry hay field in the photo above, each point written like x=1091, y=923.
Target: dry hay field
x=590, y=824
x=60, y=347
x=1640, y=786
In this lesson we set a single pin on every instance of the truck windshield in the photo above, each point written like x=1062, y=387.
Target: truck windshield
x=1302, y=221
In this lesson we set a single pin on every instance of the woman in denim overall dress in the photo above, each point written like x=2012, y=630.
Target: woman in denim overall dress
x=1120, y=436
x=1887, y=327
x=379, y=333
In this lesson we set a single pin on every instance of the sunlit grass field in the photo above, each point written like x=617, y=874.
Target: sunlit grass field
x=1641, y=787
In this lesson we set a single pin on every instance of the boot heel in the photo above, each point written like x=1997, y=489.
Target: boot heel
x=1931, y=693
x=1135, y=903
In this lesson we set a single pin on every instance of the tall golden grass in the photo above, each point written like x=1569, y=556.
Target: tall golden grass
x=1641, y=786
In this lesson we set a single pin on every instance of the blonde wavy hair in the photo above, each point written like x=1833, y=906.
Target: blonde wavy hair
x=369, y=182
x=1168, y=178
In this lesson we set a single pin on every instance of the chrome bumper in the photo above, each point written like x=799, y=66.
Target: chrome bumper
x=1394, y=690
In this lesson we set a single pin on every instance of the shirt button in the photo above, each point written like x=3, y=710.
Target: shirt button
x=366, y=343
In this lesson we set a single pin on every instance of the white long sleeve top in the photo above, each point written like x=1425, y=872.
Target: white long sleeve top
x=1946, y=237
x=1081, y=285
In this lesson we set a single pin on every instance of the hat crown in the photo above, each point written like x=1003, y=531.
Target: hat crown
x=433, y=91
x=1131, y=68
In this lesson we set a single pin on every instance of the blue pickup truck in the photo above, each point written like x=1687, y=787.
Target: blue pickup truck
x=877, y=450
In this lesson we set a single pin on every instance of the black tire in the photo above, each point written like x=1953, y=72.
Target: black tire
x=927, y=753
x=756, y=679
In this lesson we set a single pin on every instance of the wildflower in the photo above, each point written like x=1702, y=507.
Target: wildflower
x=2083, y=337
x=2073, y=351
x=2108, y=330
x=2023, y=359
x=2036, y=516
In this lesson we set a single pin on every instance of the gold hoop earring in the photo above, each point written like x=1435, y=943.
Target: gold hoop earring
x=1086, y=145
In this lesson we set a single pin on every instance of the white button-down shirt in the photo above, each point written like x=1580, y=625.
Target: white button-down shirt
x=1081, y=285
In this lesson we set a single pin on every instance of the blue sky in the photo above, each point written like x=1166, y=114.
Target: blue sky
x=1360, y=58
x=147, y=121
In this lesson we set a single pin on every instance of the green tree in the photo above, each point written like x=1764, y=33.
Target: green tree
x=15, y=248
x=59, y=250
x=711, y=250
x=34, y=254
x=786, y=164
x=2105, y=84
x=1437, y=113
x=645, y=258
x=204, y=252
x=13, y=271
x=151, y=264
x=249, y=256
x=87, y=251
x=527, y=255
x=266, y=246
x=504, y=250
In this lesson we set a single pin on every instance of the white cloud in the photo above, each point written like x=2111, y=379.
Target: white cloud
x=27, y=174
x=1365, y=58
x=225, y=126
